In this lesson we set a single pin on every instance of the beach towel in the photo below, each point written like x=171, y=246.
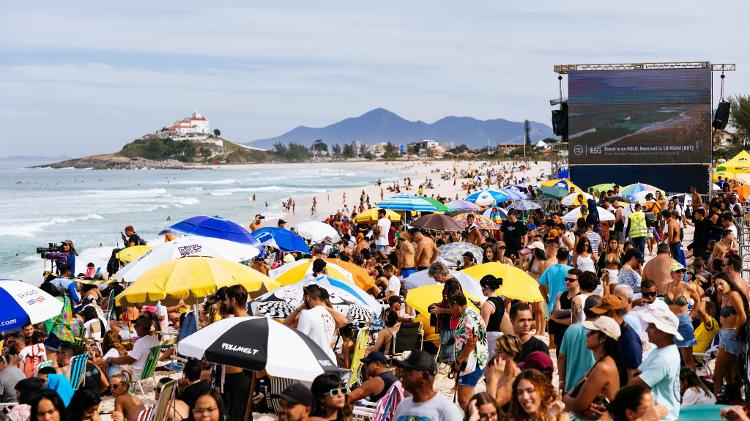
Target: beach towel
x=61, y=385
x=386, y=407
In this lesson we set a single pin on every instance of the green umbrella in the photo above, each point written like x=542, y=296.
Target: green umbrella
x=597, y=189
x=555, y=192
x=441, y=208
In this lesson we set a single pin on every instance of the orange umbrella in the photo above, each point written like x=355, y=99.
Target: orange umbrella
x=743, y=191
x=361, y=276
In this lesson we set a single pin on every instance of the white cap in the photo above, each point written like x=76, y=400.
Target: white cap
x=536, y=245
x=604, y=324
x=664, y=320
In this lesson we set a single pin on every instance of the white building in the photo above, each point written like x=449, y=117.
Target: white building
x=195, y=124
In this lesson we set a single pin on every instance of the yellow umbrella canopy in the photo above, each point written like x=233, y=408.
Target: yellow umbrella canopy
x=294, y=272
x=191, y=279
x=564, y=183
x=420, y=298
x=517, y=284
x=370, y=216
x=129, y=254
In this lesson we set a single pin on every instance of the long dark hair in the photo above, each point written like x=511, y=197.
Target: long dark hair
x=483, y=398
x=692, y=380
x=629, y=397
x=612, y=349
x=320, y=386
x=53, y=397
x=733, y=286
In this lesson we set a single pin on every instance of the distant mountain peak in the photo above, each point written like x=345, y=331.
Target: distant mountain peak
x=383, y=125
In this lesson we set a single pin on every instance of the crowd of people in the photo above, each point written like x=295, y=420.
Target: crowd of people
x=632, y=312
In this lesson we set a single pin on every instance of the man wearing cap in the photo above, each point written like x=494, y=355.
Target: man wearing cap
x=631, y=351
x=129, y=237
x=657, y=269
x=514, y=233
x=405, y=313
x=417, y=375
x=379, y=378
x=574, y=359
x=661, y=369
x=295, y=403
x=468, y=260
x=257, y=222
x=281, y=223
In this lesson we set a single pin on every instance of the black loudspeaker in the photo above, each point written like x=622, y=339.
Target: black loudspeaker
x=721, y=117
x=560, y=120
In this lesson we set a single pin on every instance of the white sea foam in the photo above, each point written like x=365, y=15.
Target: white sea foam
x=220, y=193
x=187, y=201
x=192, y=182
x=32, y=228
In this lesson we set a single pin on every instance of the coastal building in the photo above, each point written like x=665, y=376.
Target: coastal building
x=195, y=124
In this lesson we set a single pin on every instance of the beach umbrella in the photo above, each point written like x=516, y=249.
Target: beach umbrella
x=23, y=303
x=573, y=215
x=345, y=297
x=453, y=252
x=487, y=197
x=281, y=239
x=296, y=271
x=517, y=284
x=370, y=216
x=259, y=343
x=555, y=192
x=683, y=198
x=360, y=275
x=440, y=206
x=317, y=231
x=495, y=214
x=742, y=191
x=563, y=183
x=186, y=246
x=462, y=206
x=421, y=278
x=408, y=203
x=598, y=188
x=422, y=297
x=215, y=227
x=630, y=190
x=572, y=199
x=129, y=254
x=481, y=221
x=513, y=194
x=191, y=279
x=436, y=222
x=524, y=205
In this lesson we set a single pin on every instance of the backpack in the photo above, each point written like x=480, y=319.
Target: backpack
x=32, y=361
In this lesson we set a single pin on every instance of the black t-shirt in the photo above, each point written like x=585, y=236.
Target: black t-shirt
x=191, y=393
x=533, y=344
x=512, y=234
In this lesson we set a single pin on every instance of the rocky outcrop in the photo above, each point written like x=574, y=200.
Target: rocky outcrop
x=117, y=162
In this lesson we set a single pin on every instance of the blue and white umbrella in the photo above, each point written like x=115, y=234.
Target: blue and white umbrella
x=281, y=238
x=24, y=303
x=216, y=227
x=407, y=203
x=514, y=194
x=495, y=213
x=488, y=197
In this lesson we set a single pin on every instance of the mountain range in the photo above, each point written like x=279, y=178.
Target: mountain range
x=381, y=125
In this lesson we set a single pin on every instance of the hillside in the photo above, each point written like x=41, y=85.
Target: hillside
x=381, y=125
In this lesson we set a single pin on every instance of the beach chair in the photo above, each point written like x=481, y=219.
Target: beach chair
x=166, y=401
x=43, y=364
x=409, y=337
x=363, y=410
x=702, y=359
x=77, y=370
x=360, y=347
x=110, y=306
x=148, y=367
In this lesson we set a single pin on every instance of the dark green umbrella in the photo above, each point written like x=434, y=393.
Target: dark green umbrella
x=555, y=192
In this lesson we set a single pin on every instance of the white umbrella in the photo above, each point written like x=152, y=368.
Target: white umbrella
x=604, y=215
x=570, y=199
x=468, y=283
x=317, y=231
x=24, y=303
x=186, y=246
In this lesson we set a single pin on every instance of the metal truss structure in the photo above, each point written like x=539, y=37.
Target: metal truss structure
x=567, y=68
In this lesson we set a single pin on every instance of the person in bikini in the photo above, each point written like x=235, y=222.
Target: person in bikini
x=677, y=298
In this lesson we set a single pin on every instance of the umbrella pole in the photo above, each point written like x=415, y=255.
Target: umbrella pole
x=249, y=406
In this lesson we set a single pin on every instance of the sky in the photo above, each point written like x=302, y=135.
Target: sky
x=87, y=77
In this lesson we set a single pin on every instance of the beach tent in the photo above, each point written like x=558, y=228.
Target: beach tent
x=739, y=164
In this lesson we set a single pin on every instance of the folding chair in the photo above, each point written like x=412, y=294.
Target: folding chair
x=43, y=364
x=703, y=358
x=409, y=337
x=110, y=306
x=363, y=410
x=360, y=347
x=77, y=370
x=148, y=367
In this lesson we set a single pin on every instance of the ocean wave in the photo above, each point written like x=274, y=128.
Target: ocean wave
x=220, y=193
x=32, y=228
x=127, y=193
x=187, y=201
x=191, y=182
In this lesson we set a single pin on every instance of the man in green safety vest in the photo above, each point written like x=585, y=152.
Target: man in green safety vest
x=637, y=229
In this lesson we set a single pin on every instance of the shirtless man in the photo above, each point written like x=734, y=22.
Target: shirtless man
x=726, y=245
x=474, y=234
x=426, y=252
x=406, y=255
x=362, y=244
x=697, y=201
x=257, y=222
x=657, y=269
x=127, y=406
x=673, y=235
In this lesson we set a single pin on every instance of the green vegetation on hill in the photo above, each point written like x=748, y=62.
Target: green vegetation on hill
x=159, y=149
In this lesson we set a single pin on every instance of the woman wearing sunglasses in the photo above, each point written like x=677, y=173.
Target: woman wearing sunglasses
x=331, y=402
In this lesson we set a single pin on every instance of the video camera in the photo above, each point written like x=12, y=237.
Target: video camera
x=53, y=251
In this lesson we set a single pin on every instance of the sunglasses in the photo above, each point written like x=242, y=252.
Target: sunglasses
x=338, y=391
x=571, y=279
x=649, y=294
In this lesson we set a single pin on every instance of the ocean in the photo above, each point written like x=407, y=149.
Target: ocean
x=91, y=208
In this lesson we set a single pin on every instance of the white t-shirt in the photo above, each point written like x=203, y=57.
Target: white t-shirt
x=394, y=284
x=37, y=350
x=140, y=350
x=385, y=226
x=318, y=324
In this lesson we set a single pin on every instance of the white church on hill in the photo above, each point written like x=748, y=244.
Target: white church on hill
x=195, y=124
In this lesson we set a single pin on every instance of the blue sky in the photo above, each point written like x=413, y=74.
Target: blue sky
x=86, y=77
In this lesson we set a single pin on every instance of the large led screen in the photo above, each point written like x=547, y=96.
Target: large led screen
x=639, y=116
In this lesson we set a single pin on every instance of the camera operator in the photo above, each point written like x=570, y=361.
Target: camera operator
x=64, y=281
x=130, y=238
x=70, y=252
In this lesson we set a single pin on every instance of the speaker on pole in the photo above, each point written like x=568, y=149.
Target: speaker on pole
x=560, y=120
x=721, y=117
